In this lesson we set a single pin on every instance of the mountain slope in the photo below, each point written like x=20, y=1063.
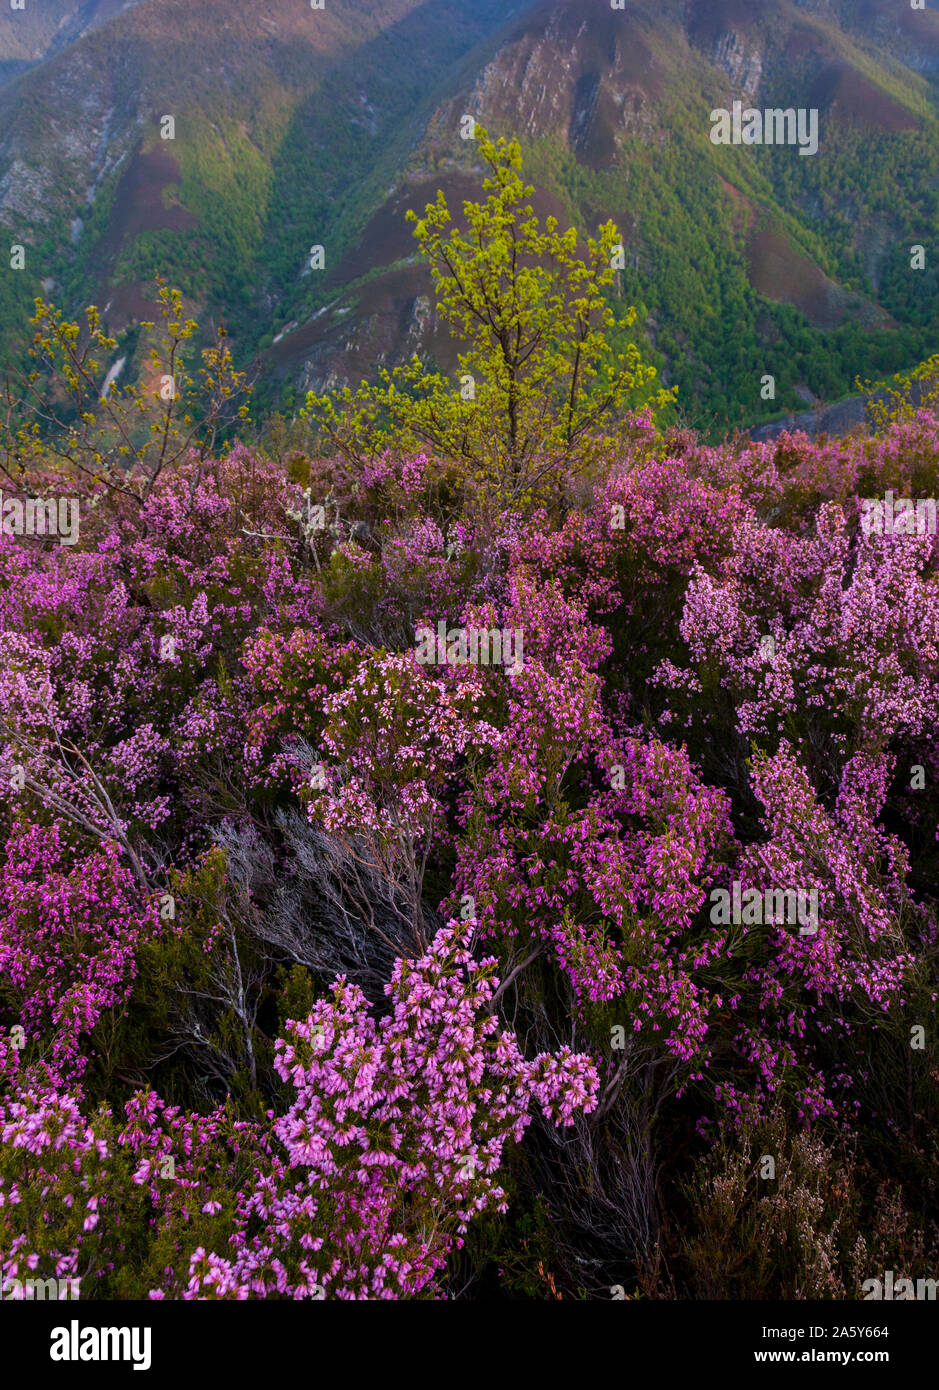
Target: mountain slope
x=37, y=31
x=746, y=261
x=296, y=128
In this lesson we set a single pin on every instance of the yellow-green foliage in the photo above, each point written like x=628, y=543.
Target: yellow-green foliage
x=540, y=385
x=125, y=438
x=901, y=397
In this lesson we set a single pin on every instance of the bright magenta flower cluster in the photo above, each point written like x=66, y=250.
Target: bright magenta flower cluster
x=724, y=680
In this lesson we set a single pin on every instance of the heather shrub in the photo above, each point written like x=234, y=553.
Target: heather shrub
x=818, y=1228
x=387, y=1149
x=264, y=862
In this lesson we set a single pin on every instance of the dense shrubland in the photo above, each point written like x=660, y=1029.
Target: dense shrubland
x=323, y=971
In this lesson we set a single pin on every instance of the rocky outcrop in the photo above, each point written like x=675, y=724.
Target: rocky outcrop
x=586, y=74
x=835, y=420
x=742, y=61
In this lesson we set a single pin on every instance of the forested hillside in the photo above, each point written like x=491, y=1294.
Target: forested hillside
x=294, y=129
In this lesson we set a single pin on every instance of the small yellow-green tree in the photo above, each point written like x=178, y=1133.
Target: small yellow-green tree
x=59, y=411
x=902, y=395
x=541, y=386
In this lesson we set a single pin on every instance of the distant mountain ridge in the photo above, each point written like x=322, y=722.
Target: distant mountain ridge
x=296, y=127
x=39, y=30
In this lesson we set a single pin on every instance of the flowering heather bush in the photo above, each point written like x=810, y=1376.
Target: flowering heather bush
x=68, y=940
x=397, y=1131
x=323, y=972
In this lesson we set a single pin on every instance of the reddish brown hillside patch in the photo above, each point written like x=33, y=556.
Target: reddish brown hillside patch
x=784, y=274
x=390, y=319
x=389, y=237
x=741, y=206
x=717, y=17
x=138, y=200
x=847, y=94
